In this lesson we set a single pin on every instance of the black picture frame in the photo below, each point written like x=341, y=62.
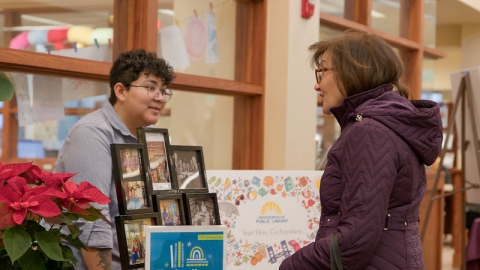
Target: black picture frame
x=201, y=209
x=157, y=142
x=170, y=209
x=189, y=168
x=131, y=238
x=131, y=181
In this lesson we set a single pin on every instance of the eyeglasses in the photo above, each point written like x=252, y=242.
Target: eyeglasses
x=154, y=92
x=319, y=73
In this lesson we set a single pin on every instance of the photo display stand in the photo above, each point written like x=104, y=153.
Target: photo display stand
x=465, y=99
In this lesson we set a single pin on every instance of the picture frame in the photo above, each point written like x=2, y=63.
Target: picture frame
x=131, y=238
x=186, y=247
x=131, y=181
x=157, y=142
x=201, y=209
x=189, y=168
x=170, y=209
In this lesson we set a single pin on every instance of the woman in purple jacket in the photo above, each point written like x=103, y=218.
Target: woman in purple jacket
x=374, y=179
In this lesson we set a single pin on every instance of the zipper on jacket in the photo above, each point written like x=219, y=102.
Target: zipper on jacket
x=387, y=223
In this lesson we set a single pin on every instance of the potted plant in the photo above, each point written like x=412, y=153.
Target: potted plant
x=29, y=195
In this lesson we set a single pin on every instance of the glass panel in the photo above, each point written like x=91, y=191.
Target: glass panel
x=328, y=32
x=205, y=120
x=67, y=27
x=386, y=16
x=198, y=36
x=428, y=74
x=192, y=119
x=43, y=120
x=429, y=23
x=46, y=138
x=328, y=128
x=333, y=7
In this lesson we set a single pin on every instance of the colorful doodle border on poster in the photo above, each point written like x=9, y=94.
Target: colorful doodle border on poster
x=238, y=188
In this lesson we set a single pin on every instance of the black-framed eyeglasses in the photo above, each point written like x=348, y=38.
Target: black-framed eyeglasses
x=319, y=73
x=154, y=92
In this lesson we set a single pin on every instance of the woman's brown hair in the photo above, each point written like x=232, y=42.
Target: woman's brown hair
x=361, y=62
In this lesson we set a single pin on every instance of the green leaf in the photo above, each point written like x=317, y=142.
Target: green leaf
x=32, y=260
x=74, y=231
x=50, y=245
x=17, y=242
x=33, y=226
x=74, y=241
x=68, y=254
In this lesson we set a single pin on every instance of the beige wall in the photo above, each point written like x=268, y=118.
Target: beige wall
x=290, y=107
x=461, y=43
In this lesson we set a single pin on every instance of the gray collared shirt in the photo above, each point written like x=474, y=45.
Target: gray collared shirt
x=86, y=151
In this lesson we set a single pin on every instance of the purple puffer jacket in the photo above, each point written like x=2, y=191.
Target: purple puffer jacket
x=374, y=182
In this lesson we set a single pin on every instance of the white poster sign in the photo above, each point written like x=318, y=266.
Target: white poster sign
x=472, y=174
x=269, y=214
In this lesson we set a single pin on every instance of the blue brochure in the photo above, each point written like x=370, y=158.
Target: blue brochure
x=185, y=247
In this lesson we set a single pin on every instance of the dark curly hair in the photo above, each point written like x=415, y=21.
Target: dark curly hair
x=130, y=65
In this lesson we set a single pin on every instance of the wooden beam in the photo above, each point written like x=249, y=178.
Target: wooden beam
x=53, y=65
x=215, y=86
x=135, y=25
x=249, y=67
x=10, y=122
x=396, y=41
x=358, y=11
x=411, y=28
x=11, y=19
x=22, y=9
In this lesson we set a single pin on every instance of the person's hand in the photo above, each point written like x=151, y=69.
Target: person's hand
x=95, y=258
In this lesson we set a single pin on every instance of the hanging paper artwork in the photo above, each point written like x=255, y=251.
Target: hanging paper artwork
x=195, y=36
x=211, y=55
x=173, y=47
x=38, y=98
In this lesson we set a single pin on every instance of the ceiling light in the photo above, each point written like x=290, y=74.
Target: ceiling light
x=169, y=12
x=42, y=20
x=376, y=14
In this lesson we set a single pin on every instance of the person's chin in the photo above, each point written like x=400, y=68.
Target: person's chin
x=152, y=119
x=326, y=110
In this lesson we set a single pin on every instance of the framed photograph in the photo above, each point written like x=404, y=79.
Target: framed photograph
x=170, y=208
x=159, y=167
x=131, y=238
x=131, y=181
x=186, y=247
x=189, y=168
x=201, y=209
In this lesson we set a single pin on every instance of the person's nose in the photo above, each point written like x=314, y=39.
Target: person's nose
x=317, y=87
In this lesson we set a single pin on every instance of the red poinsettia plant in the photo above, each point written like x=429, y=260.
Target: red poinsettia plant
x=29, y=195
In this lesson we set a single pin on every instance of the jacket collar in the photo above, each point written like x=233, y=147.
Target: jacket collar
x=349, y=104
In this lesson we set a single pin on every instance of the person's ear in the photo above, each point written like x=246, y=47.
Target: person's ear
x=120, y=91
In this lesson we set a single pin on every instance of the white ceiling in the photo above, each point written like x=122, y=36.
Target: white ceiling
x=456, y=12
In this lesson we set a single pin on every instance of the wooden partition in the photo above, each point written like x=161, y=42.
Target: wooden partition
x=433, y=240
x=456, y=219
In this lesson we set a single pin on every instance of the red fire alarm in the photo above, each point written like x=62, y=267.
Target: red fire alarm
x=308, y=6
